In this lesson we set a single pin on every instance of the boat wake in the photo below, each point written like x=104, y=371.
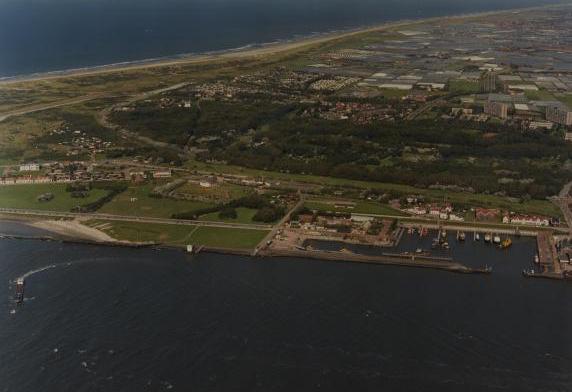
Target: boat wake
x=36, y=271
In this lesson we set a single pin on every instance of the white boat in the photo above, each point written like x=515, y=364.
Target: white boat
x=477, y=237
x=487, y=237
x=190, y=248
x=497, y=239
x=536, y=259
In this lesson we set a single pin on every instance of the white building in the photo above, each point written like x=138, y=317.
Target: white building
x=208, y=182
x=456, y=218
x=31, y=167
x=162, y=174
x=397, y=86
x=529, y=220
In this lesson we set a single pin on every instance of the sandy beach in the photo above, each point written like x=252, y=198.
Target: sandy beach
x=72, y=229
x=260, y=50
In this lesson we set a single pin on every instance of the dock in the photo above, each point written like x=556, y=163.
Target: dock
x=548, y=259
x=451, y=266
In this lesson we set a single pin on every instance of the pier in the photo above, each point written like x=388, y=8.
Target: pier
x=427, y=262
x=547, y=257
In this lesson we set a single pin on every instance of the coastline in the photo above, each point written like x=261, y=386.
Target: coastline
x=252, y=50
x=73, y=232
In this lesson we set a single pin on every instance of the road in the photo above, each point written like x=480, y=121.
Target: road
x=563, y=201
x=103, y=118
x=277, y=226
x=424, y=108
x=52, y=105
x=126, y=218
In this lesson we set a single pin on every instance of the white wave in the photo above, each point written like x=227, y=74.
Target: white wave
x=32, y=272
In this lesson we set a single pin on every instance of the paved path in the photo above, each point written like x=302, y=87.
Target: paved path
x=103, y=118
x=563, y=201
x=279, y=225
x=126, y=218
x=53, y=105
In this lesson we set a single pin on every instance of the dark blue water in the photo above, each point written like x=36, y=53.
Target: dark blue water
x=109, y=319
x=48, y=35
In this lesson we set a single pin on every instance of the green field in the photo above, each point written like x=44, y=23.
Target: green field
x=360, y=207
x=543, y=207
x=219, y=192
x=244, y=215
x=25, y=196
x=143, y=232
x=463, y=87
x=540, y=95
x=181, y=234
x=144, y=205
x=227, y=237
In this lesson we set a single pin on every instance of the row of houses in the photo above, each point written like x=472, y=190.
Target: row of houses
x=532, y=220
x=442, y=211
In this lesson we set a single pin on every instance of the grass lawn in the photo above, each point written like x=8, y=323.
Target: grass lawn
x=219, y=193
x=144, y=232
x=244, y=215
x=540, y=95
x=227, y=237
x=543, y=207
x=180, y=234
x=144, y=205
x=566, y=98
x=360, y=207
x=393, y=92
x=464, y=87
x=25, y=196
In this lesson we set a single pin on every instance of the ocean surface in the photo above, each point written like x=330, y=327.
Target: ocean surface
x=116, y=319
x=49, y=35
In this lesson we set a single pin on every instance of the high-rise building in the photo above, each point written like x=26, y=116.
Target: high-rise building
x=488, y=82
x=559, y=116
x=496, y=109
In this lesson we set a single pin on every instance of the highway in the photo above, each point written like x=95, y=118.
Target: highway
x=127, y=218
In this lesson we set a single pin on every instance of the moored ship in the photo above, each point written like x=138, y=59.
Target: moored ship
x=19, y=296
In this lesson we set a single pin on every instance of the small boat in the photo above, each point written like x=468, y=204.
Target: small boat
x=477, y=237
x=19, y=296
x=461, y=236
x=487, y=237
x=528, y=273
x=421, y=252
x=506, y=243
x=190, y=249
x=445, y=245
x=443, y=234
x=536, y=259
x=497, y=239
x=410, y=230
